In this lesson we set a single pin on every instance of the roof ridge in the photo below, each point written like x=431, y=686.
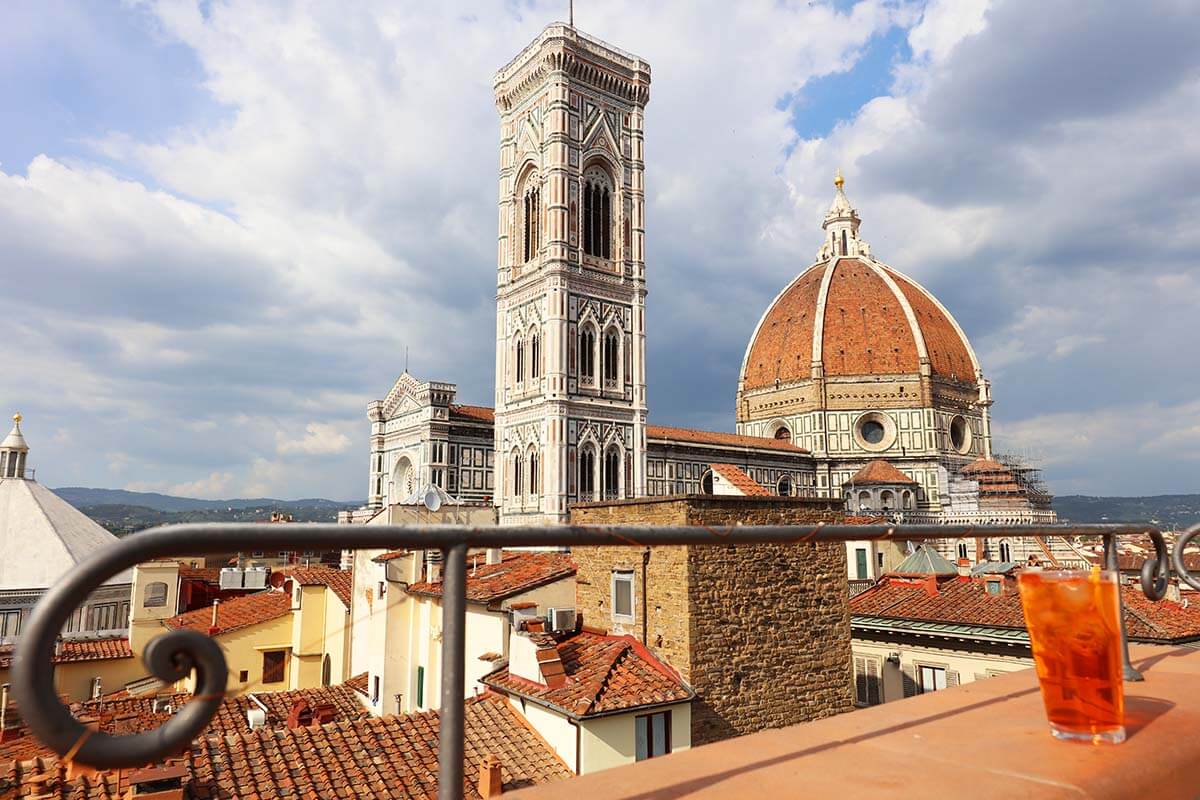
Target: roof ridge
x=602, y=686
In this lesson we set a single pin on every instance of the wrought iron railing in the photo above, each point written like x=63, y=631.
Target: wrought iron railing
x=174, y=655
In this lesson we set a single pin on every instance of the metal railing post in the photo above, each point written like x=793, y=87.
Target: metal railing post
x=454, y=649
x=1130, y=672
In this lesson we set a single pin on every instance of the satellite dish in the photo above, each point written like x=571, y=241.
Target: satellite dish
x=432, y=500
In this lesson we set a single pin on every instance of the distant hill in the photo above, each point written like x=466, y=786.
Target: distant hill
x=120, y=519
x=1165, y=510
x=80, y=497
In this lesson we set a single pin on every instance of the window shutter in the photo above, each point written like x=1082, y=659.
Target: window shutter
x=874, y=684
x=951, y=678
x=860, y=680
x=910, y=682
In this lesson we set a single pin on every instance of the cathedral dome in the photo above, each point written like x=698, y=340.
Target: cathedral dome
x=851, y=315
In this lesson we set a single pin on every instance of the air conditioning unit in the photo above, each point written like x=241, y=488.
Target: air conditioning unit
x=232, y=578
x=561, y=619
x=255, y=578
x=256, y=718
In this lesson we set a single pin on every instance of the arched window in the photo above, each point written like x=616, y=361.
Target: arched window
x=587, y=473
x=706, y=483
x=520, y=352
x=864, y=500
x=783, y=434
x=533, y=473
x=844, y=250
x=535, y=356
x=785, y=485
x=908, y=501
x=962, y=550
x=1005, y=551
x=155, y=595
x=532, y=209
x=887, y=500
x=587, y=352
x=597, y=213
x=326, y=671
x=517, y=483
x=612, y=354
x=612, y=473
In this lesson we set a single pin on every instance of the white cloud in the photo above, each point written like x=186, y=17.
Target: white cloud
x=318, y=439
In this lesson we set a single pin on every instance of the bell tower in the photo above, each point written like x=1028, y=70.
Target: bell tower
x=570, y=279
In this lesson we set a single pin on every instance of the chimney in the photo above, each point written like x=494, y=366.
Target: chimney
x=964, y=568
x=213, y=629
x=930, y=584
x=495, y=555
x=491, y=783
x=1173, y=591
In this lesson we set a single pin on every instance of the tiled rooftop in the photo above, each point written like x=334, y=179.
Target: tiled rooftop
x=79, y=650
x=340, y=581
x=967, y=601
x=603, y=673
x=517, y=572
x=474, y=413
x=236, y=613
x=987, y=739
x=122, y=714
x=718, y=438
x=744, y=483
x=378, y=757
x=879, y=471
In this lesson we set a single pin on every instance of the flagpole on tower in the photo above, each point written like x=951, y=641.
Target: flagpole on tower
x=571, y=13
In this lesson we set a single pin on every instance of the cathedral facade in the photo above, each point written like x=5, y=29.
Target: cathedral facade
x=855, y=374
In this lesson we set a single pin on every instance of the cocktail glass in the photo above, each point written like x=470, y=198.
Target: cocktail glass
x=1075, y=630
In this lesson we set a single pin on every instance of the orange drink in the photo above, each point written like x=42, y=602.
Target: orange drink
x=1075, y=631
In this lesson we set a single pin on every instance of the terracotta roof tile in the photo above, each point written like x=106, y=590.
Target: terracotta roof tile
x=236, y=613
x=517, y=572
x=79, y=650
x=879, y=471
x=743, y=482
x=385, y=757
x=968, y=602
x=359, y=683
x=211, y=575
x=719, y=439
x=782, y=348
x=948, y=355
x=340, y=581
x=602, y=673
x=475, y=413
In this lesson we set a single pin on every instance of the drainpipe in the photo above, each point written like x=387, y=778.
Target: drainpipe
x=645, y=591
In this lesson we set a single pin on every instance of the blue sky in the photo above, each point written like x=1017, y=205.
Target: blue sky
x=222, y=224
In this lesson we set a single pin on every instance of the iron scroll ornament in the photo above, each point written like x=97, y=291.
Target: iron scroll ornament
x=175, y=654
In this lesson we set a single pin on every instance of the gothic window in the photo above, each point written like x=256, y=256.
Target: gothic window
x=535, y=356
x=520, y=353
x=587, y=352
x=612, y=473
x=532, y=204
x=612, y=353
x=517, y=483
x=1005, y=551
x=844, y=250
x=962, y=549
x=587, y=473
x=597, y=213
x=533, y=472
x=783, y=434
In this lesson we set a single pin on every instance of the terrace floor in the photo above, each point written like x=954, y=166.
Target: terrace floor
x=986, y=739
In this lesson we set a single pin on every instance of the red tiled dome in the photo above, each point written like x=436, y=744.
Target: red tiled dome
x=856, y=317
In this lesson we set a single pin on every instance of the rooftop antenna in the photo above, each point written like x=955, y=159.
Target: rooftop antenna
x=571, y=13
x=406, y=358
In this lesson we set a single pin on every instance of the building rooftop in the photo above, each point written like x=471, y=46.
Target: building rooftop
x=925, y=561
x=472, y=413
x=740, y=480
x=718, y=438
x=236, y=613
x=339, y=580
x=390, y=757
x=603, y=674
x=879, y=471
x=968, y=601
x=988, y=739
x=71, y=650
x=518, y=571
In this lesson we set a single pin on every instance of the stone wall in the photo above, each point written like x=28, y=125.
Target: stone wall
x=761, y=632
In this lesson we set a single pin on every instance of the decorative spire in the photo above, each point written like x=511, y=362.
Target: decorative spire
x=13, y=451
x=841, y=226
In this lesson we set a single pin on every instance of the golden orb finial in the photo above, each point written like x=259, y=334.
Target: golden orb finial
x=17, y=418
x=838, y=180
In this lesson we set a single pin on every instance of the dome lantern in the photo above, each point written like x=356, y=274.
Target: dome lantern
x=13, y=451
x=841, y=227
